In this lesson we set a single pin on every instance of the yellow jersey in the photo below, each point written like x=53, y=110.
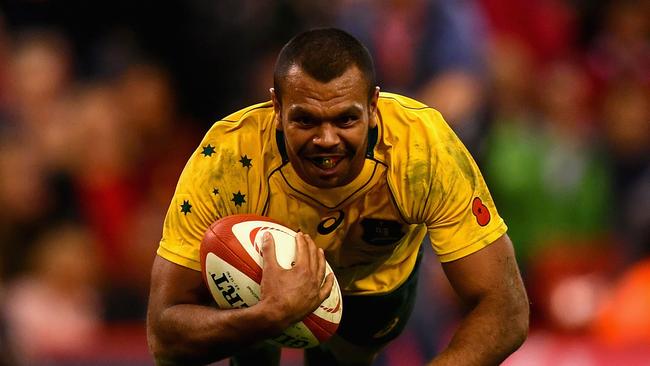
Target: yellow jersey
x=417, y=178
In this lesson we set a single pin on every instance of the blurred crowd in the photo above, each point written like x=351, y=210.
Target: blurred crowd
x=101, y=103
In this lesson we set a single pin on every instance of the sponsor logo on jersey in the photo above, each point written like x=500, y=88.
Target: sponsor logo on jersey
x=381, y=232
x=330, y=223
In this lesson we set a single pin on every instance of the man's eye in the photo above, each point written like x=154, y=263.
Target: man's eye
x=348, y=120
x=302, y=121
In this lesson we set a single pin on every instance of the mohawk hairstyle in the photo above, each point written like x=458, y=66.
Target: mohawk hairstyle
x=324, y=54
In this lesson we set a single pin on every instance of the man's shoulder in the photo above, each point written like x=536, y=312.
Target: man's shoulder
x=401, y=114
x=253, y=123
x=398, y=101
x=252, y=112
x=414, y=140
x=243, y=139
x=414, y=124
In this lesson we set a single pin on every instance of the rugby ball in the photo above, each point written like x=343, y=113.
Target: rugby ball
x=231, y=264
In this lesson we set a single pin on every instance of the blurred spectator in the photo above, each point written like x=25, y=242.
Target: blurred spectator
x=26, y=201
x=511, y=85
x=621, y=48
x=123, y=128
x=548, y=27
x=53, y=310
x=625, y=116
x=545, y=170
x=429, y=49
x=39, y=76
x=94, y=151
x=103, y=147
x=34, y=137
x=144, y=95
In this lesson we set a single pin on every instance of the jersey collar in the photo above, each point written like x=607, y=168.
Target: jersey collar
x=336, y=196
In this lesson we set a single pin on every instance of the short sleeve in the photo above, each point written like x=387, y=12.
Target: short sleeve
x=189, y=215
x=222, y=177
x=457, y=209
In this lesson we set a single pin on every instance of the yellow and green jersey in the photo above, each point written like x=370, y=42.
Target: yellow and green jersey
x=418, y=178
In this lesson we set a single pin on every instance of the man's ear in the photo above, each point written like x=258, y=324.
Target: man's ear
x=373, y=108
x=276, y=109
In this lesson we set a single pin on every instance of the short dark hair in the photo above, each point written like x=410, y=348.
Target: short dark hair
x=324, y=54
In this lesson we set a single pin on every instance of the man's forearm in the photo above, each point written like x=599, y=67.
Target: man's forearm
x=196, y=334
x=487, y=335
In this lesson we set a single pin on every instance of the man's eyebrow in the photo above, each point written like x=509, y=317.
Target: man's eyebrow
x=351, y=110
x=300, y=111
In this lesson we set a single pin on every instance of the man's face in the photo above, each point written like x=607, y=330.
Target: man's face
x=325, y=125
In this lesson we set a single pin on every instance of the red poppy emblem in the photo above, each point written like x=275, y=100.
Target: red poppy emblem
x=480, y=211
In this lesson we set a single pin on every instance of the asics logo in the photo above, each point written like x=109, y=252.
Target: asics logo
x=330, y=223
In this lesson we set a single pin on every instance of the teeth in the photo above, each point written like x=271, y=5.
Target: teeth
x=326, y=163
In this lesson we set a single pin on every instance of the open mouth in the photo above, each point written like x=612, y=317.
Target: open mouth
x=326, y=162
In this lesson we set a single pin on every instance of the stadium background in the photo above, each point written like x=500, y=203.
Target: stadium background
x=101, y=103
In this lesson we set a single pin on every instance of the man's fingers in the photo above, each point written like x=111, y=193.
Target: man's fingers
x=313, y=255
x=320, y=264
x=268, y=250
x=302, y=251
x=300, y=241
x=325, y=290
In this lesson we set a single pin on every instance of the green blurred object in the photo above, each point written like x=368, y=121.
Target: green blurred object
x=548, y=187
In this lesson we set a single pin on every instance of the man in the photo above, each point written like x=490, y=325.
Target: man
x=365, y=176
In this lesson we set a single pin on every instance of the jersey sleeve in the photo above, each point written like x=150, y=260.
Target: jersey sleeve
x=221, y=178
x=452, y=198
x=190, y=212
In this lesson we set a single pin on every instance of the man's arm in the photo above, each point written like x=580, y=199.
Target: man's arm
x=489, y=283
x=184, y=329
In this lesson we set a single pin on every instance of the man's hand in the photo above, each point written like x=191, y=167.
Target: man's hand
x=184, y=328
x=289, y=295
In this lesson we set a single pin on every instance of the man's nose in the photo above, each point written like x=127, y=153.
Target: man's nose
x=327, y=136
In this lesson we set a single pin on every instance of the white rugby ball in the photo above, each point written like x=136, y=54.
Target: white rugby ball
x=231, y=264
